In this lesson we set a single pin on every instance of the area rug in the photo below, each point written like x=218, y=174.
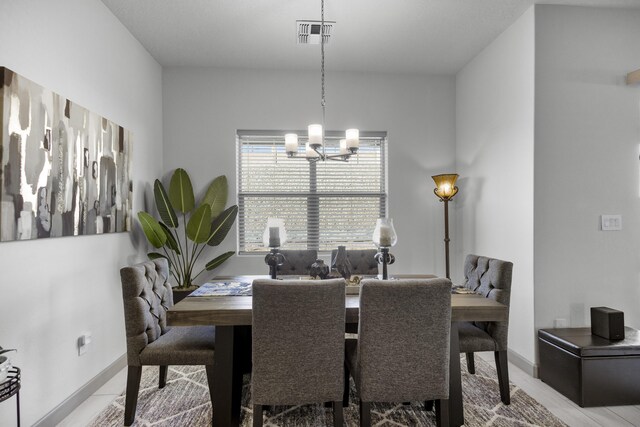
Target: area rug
x=185, y=402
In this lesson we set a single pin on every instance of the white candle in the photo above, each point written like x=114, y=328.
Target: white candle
x=274, y=237
x=353, y=138
x=291, y=143
x=385, y=235
x=315, y=135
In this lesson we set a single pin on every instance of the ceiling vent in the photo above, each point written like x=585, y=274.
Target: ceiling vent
x=309, y=31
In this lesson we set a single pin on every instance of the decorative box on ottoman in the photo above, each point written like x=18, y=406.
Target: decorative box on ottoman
x=591, y=370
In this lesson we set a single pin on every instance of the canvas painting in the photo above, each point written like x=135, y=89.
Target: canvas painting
x=64, y=170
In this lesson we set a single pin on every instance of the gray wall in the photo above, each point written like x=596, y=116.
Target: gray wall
x=494, y=157
x=204, y=107
x=53, y=290
x=586, y=163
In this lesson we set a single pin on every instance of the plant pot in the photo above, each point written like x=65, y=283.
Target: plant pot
x=181, y=293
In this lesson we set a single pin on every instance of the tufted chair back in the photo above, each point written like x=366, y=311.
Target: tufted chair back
x=301, y=361
x=362, y=261
x=491, y=278
x=147, y=296
x=297, y=262
x=403, y=341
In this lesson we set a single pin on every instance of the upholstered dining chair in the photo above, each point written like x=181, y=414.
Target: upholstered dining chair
x=402, y=350
x=147, y=296
x=297, y=262
x=362, y=261
x=298, y=344
x=491, y=278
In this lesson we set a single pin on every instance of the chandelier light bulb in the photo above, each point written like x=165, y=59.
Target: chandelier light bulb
x=291, y=143
x=353, y=139
x=315, y=135
x=310, y=152
x=343, y=147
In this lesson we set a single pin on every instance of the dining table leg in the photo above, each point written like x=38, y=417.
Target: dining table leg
x=227, y=388
x=456, y=413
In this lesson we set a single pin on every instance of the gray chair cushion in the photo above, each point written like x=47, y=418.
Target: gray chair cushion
x=297, y=262
x=147, y=296
x=298, y=341
x=491, y=278
x=181, y=345
x=403, y=340
x=475, y=339
x=362, y=261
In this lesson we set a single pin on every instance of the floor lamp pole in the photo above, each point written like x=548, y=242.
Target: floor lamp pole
x=446, y=236
x=445, y=190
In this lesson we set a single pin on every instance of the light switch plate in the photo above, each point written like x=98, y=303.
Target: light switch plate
x=611, y=222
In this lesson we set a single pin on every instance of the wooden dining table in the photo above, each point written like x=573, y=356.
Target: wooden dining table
x=232, y=316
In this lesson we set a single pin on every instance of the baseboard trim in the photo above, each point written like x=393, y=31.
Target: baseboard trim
x=60, y=412
x=523, y=363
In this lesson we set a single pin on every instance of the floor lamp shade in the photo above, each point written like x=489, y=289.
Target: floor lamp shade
x=445, y=185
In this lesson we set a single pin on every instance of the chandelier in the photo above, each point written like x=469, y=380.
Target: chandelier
x=315, y=147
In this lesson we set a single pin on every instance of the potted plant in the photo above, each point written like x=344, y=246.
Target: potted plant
x=5, y=363
x=184, y=230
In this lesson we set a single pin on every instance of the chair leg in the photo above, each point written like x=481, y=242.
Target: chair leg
x=428, y=405
x=502, y=366
x=210, y=382
x=345, y=392
x=338, y=417
x=257, y=415
x=163, y=376
x=365, y=414
x=471, y=363
x=134, y=373
x=442, y=412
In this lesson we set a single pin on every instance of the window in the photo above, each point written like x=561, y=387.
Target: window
x=323, y=204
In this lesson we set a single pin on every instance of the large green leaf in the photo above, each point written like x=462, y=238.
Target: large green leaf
x=221, y=225
x=167, y=214
x=219, y=260
x=153, y=231
x=181, y=191
x=198, y=226
x=156, y=255
x=216, y=195
x=172, y=243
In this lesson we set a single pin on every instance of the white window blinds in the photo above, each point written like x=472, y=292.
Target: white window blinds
x=323, y=204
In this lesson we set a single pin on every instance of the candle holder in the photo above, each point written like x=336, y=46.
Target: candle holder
x=384, y=237
x=274, y=259
x=273, y=237
x=385, y=258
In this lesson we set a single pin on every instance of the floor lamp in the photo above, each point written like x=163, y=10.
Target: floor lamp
x=445, y=190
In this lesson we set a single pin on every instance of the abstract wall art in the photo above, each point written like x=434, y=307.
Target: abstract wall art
x=64, y=170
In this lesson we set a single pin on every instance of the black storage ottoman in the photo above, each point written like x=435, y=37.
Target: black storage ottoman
x=591, y=370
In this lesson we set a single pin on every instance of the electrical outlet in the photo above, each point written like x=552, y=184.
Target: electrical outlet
x=83, y=343
x=611, y=222
x=560, y=323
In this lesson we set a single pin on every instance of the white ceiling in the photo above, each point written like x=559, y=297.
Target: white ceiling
x=396, y=36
